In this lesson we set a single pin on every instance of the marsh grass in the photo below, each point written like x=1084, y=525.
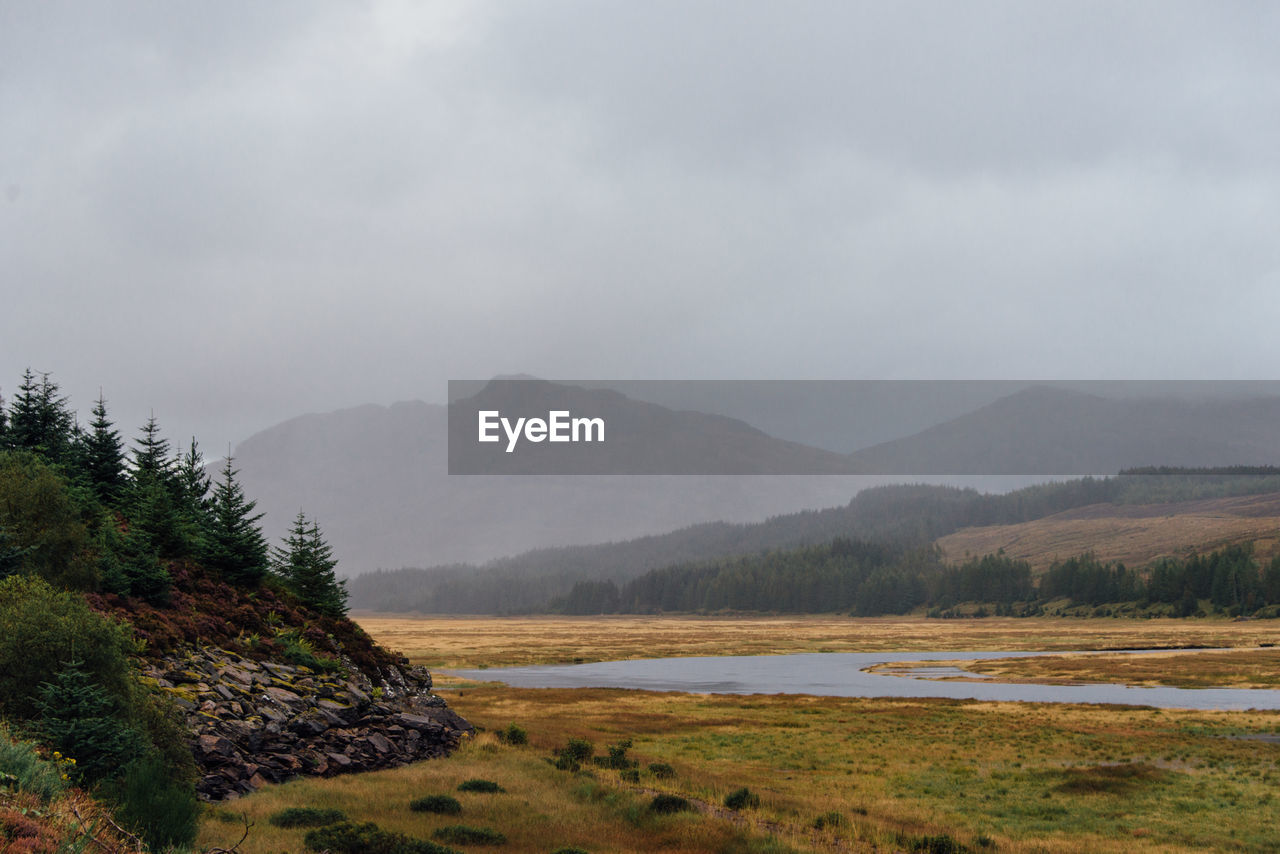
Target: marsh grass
x=445, y=642
x=1258, y=667
x=1010, y=777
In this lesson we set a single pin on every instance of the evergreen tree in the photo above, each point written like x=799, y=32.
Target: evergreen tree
x=156, y=517
x=306, y=565
x=151, y=452
x=234, y=542
x=104, y=456
x=85, y=722
x=192, y=481
x=39, y=419
x=11, y=554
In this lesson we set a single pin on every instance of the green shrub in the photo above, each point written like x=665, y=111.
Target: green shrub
x=43, y=526
x=163, y=811
x=296, y=649
x=42, y=630
x=306, y=817
x=514, y=735
x=443, y=804
x=571, y=756
x=28, y=772
x=477, y=785
x=367, y=838
x=662, y=770
x=830, y=819
x=462, y=834
x=741, y=799
x=670, y=804
x=630, y=775
x=617, y=757
x=942, y=844
x=83, y=721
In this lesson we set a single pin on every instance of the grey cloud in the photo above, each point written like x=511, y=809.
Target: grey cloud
x=238, y=212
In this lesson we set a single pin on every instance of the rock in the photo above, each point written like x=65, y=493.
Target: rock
x=266, y=722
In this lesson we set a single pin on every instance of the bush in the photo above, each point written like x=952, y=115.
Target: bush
x=514, y=735
x=83, y=721
x=830, y=819
x=570, y=851
x=42, y=630
x=630, y=775
x=477, y=785
x=571, y=756
x=666, y=804
x=942, y=844
x=617, y=757
x=741, y=799
x=296, y=649
x=30, y=773
x=461, y=834
x=163, y=811
x=42, y=523
x=306, y=817
x=662, y=770
x=443, y=804
x=351, y=838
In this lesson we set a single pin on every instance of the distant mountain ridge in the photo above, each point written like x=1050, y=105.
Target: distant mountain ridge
x=375, y=477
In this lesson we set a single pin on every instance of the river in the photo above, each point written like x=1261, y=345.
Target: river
x=841, y=674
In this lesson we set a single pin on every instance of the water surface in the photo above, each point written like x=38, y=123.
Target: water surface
x=843, y=674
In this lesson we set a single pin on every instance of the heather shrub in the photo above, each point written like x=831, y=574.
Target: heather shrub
x=306, y=817
x=442, y=804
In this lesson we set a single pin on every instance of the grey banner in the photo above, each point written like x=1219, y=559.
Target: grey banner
x=901, y=428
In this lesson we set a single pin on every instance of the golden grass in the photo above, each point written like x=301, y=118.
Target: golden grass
x=1234, y=668
x=1018, y=777
x=541, y=808
x=1134, y=534
x=446, y=642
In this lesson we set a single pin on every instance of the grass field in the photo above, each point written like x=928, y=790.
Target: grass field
x=1232, y=668
x=832, y=774
x=1136, y=534
x=444, y=642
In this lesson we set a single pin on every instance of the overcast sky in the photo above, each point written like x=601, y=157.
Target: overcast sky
x=233, y=213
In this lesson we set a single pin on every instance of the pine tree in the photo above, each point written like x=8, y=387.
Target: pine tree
x=192, y=480
x=104, y=456
x=151, y=452
x=234, y=542
x=39, y=419
x=306, y=565
x=86, y=723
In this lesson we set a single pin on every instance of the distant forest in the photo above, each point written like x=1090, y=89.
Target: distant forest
x=822, y=553
x=852, y=576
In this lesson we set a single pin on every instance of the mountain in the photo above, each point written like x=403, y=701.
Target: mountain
x=377, y=481
x=376, y=478
x=1049, y=430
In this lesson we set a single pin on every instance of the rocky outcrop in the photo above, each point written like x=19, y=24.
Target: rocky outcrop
x=258, y=722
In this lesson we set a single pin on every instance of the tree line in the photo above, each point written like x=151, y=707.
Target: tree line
x=84, y=512
x=869, y=579
x=906, y=516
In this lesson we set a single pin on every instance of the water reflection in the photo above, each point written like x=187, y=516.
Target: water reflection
x=840, y=674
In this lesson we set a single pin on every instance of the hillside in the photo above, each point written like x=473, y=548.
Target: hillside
x=157, y=650
x=1132, y=533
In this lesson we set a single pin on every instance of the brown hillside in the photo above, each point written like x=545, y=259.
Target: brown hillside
x=1134, y=533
